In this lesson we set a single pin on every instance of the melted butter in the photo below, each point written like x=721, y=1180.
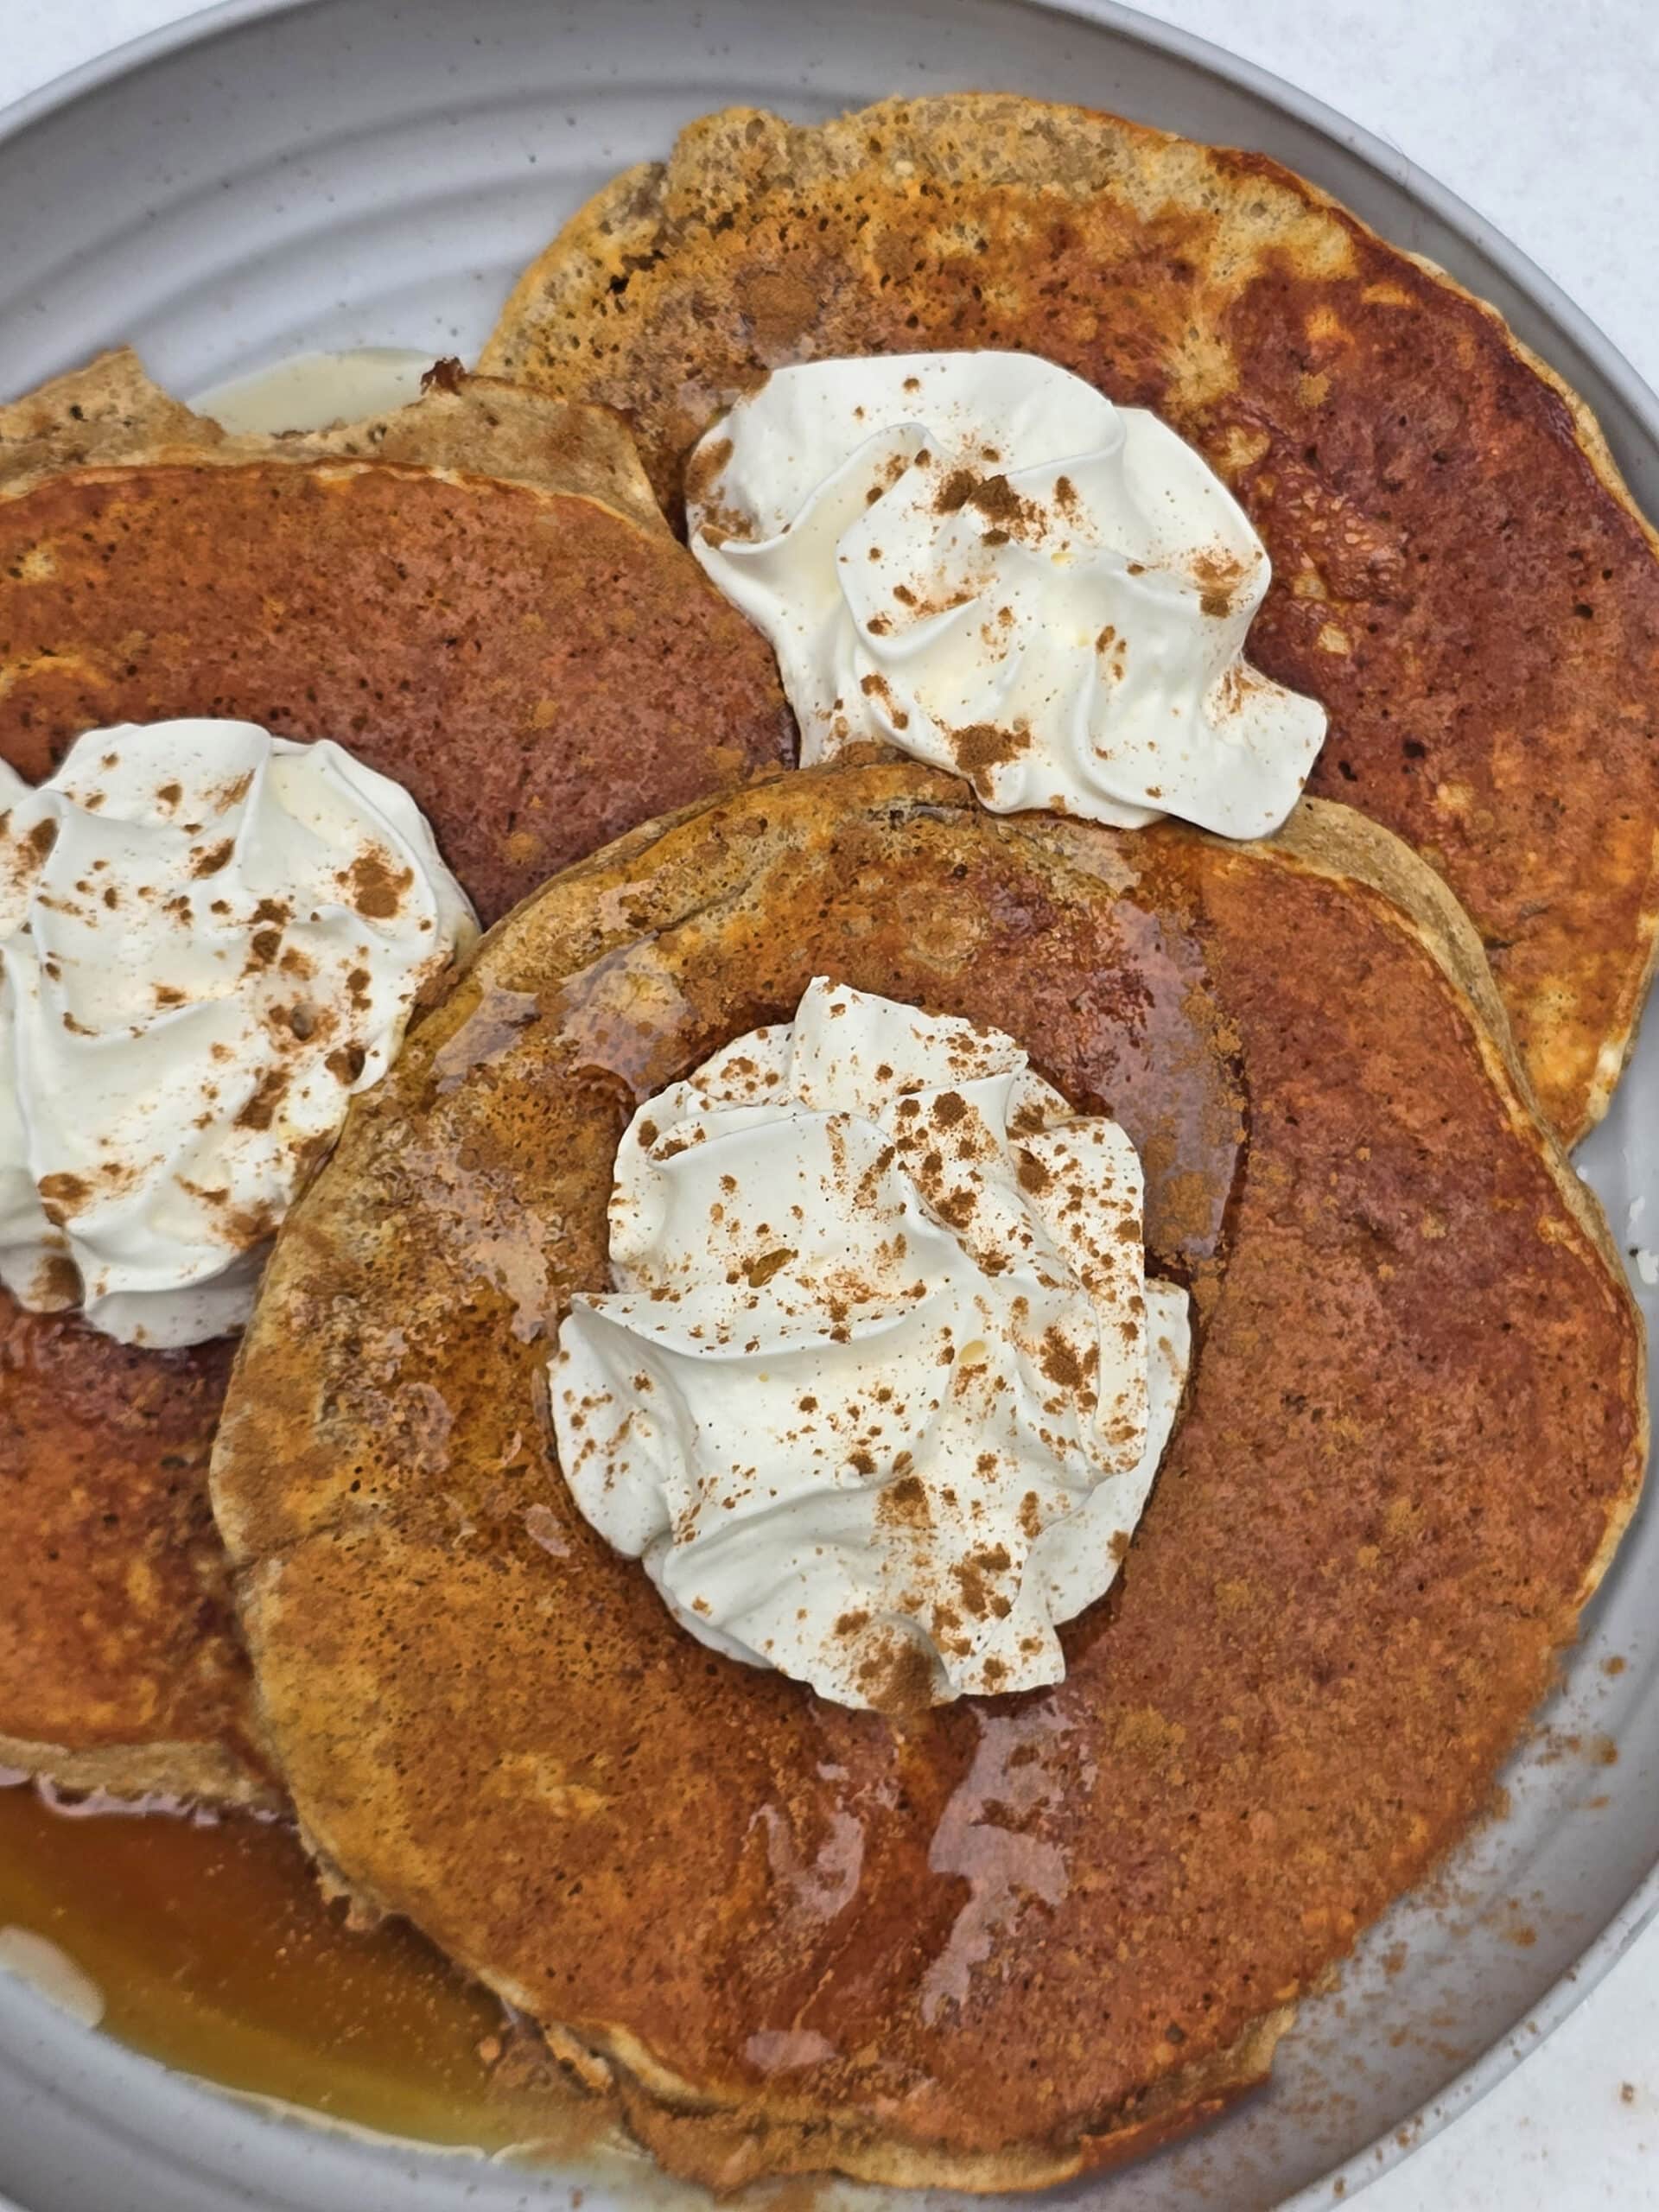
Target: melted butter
x=39, y=1961
x=310, y=390
x=213, y=1951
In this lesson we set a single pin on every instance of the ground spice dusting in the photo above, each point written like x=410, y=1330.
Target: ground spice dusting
x=377, y=889
x=983, y=747
x=216, y=857
x=955, y=491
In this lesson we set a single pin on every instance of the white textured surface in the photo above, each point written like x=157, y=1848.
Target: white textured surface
x=1541, y=115
x=675, y=1395
x=816, y=509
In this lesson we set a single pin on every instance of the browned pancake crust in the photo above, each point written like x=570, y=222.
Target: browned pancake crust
x=995, y=1945
x=119, y=1663
x=529, y=652
x=1460, y=575
x=540, y=670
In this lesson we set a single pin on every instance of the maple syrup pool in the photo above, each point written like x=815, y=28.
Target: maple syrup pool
x=214, y=1951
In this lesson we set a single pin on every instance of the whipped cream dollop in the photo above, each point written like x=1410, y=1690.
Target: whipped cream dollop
x=210, y=937
x=882, y=1389
x=978, y=559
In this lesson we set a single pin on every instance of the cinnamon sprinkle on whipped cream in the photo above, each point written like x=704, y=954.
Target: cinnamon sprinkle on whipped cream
x=881, y=1388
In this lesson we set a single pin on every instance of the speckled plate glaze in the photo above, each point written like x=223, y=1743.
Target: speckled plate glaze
x=270, y=178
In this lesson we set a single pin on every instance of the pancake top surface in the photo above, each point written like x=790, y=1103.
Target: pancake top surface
x=527, y=650
x=120, y=1665
x=478, y=595
x=1015, y=1926
x=1459, y=575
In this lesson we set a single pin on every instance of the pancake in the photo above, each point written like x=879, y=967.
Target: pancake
x=1460, y=576
x=526, y=651
x=1009, y=1940
x=478, y=595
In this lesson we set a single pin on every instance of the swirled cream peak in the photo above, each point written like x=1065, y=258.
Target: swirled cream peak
x=881, y=1388
x=209, y=939
x=978, y=559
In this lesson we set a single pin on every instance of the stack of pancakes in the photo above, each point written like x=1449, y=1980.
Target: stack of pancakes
x=422, y=588
x=1006, y=1940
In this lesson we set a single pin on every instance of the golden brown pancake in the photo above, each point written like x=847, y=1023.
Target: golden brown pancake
x=478, y=595
x=530, y=654
x=1459, y=574
x=997, y=1943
